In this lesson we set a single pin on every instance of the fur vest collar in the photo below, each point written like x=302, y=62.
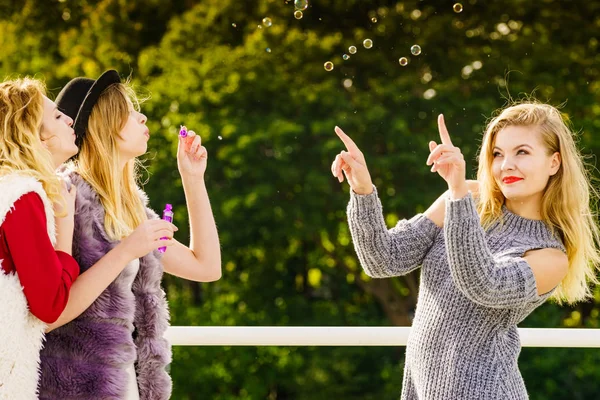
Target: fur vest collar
x=87, y=358
x=21, y=333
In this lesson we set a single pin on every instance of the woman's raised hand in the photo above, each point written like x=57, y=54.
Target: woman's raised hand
x=352, y=164
x=448, y=162
x=192, y=157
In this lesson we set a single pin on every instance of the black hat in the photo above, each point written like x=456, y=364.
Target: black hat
x=80, y=95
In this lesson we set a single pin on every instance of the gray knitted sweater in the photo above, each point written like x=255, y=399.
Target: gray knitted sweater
x=475, y=288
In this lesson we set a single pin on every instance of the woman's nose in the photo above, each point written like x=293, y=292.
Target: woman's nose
x=143, y=118
x=508, y=164
x=69, y=121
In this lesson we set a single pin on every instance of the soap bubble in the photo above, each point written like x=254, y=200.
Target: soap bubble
x=429, y=94
x=298, y=14
x=345, y=56
x=234, y=25
x=301, y=4
x=368, y=43
x=328, y=66
x=268, y=49
x=457, y=8
x=415, y=50
x=352, y=49
x=374, y=20
x=403, y=61
x=267, y=22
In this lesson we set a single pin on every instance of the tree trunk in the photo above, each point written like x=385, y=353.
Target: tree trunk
x=398, y=308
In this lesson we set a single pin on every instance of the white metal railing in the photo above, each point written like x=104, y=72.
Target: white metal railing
x=351, y=336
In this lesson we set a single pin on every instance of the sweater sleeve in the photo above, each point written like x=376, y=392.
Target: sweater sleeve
x=497, y=283
x=45, y=274
x=385, y=253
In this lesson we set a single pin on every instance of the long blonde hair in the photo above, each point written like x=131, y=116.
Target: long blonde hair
x=21, y=148
x=568, y=198
x=98, y=162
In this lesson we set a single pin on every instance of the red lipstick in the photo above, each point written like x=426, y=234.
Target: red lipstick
x=511, y=179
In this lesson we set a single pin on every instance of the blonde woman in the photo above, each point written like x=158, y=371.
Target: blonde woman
x=37, y=278
x=115, y=349
x=486, y=264
x=37, y=269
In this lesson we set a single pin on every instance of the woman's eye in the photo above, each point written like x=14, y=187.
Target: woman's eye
x=522, y=152
x=495, y=154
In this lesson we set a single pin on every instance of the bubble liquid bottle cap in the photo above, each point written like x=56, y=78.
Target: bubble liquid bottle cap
x=168, y=213
x=183, y=132
x=167, y=216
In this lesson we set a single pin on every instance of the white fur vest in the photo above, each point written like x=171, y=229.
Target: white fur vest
x=21, y=333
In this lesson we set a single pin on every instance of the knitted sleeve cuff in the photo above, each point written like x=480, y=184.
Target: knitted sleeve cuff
x=363, y=206
x=461, y=209
x=529, y=282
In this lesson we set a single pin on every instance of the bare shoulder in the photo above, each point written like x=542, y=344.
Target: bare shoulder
x=549, y=266
x=551, y=256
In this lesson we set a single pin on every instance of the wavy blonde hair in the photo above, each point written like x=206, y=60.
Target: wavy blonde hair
x=568, y=199
x=21, y=148
x=99, y=164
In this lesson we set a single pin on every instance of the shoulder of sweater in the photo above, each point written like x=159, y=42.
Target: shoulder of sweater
x=15, y=186
x=31, y=200
x=29, y=207
x=530, y=242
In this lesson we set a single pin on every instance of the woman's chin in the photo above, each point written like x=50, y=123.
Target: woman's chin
x=511, y=195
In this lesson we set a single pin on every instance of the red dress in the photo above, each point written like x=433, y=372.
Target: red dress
x=46, y=274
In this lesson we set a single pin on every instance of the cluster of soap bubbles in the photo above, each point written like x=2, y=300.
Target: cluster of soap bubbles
x=299, y=6
x=367, y=44
x=267, y=23
x=415, y=50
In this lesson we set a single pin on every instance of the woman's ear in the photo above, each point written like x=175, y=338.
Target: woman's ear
x=46, y=141
x=43, y=141
x=555, y=163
